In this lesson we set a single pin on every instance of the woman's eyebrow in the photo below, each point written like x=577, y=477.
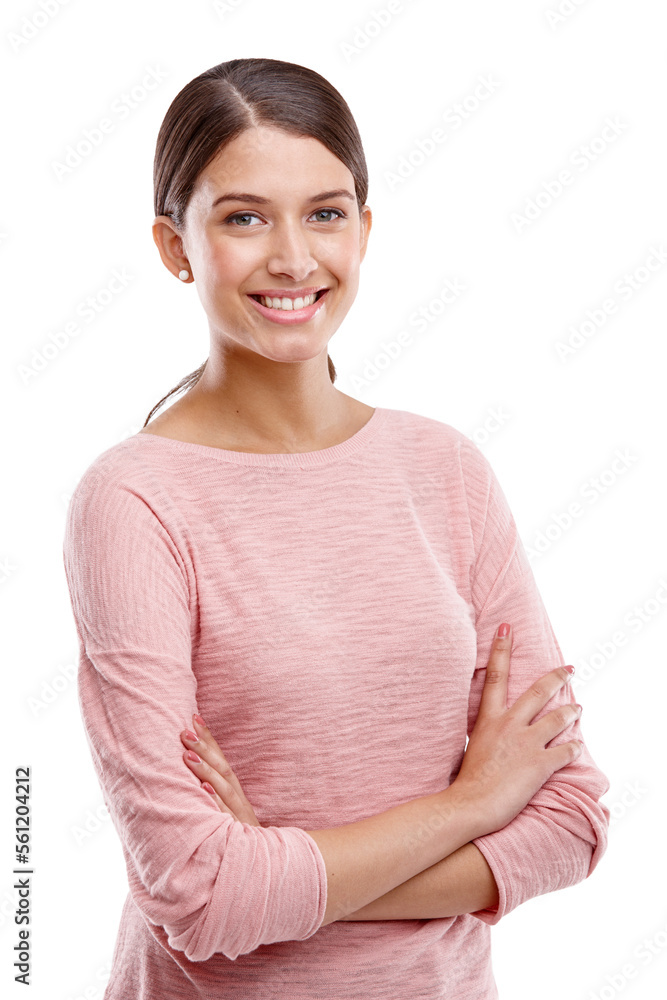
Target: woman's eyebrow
x=258, y=200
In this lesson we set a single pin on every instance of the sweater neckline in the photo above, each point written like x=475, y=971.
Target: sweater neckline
x=292, y=460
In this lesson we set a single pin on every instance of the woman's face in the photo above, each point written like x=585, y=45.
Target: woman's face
x=270, y=214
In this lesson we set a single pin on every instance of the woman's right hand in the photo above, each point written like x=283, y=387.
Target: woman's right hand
x=506, y=761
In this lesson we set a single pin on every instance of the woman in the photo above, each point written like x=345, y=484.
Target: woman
x=309, y=591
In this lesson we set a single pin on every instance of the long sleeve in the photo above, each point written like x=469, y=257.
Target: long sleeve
x=213, y=883
x=561, y=834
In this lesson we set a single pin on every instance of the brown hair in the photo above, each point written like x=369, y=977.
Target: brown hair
x=224, y=101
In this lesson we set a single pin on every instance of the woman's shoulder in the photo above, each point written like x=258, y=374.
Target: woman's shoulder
x=431, y=447
x=430, y=432
x=125, y=465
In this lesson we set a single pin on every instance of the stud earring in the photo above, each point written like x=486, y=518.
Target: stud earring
x=184, y=275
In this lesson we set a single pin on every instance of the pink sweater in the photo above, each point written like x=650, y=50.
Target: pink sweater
x=330, y=615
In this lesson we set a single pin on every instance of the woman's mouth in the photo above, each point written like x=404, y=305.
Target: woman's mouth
x=287, y=310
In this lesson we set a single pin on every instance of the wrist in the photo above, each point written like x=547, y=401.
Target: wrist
x=461, y=807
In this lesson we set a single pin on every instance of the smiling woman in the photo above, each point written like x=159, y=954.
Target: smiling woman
x=277, y=138
x=285, y=637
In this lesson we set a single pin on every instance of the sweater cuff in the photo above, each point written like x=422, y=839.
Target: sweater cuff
x=491, y=915
x=271, y=886
x=529, y=857
x=322, y=885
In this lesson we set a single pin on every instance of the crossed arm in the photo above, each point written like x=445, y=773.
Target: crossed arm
x=460, y=883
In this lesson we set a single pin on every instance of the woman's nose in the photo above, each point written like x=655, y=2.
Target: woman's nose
x=293, y=252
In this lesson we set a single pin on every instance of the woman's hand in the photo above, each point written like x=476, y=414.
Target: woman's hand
x=215, y=774
x=506, y=760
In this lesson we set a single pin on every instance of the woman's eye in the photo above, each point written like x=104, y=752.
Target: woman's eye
x=328, y=211
x=242, y=215
x=239, y=220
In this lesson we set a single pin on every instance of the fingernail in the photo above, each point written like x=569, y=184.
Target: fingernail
x=190, y=736
x=209, y=788
x=570, y=669
x=199, y=719
x=191, y=755
x=503, y=630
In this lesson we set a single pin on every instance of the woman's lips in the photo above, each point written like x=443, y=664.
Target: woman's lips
x=291, y=315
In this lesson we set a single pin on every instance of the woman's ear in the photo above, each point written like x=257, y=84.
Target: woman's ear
x=366, y=224
x=169, y=242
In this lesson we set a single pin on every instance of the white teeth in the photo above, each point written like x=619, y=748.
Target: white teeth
x=288, y=304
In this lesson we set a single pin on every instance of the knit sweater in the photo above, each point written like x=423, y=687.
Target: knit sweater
x=330, y=615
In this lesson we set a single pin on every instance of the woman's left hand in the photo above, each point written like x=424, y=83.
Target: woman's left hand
x=213, y=770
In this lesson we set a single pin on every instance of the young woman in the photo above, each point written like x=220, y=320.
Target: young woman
x=312, y=594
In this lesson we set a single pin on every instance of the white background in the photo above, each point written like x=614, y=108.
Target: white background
x=558, y=79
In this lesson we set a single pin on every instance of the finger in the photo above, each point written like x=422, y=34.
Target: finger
x=211, y=792
x=532, y=701
x=556, y=722
x=207, y=747
x=208, y=750
x=229, y=788
x=494, y=692
x=226, y=797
